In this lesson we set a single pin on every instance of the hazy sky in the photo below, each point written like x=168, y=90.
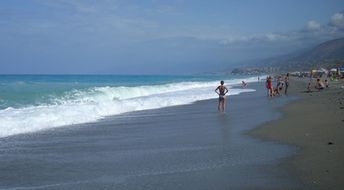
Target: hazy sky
x=157, y=36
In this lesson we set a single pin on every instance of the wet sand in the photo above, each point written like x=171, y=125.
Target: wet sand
x=183, y=147
x=315, y=122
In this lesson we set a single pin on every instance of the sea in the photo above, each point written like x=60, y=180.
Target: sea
x=138, y=132
x=31, y=103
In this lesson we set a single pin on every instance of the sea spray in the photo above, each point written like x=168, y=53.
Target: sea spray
x=90, y=104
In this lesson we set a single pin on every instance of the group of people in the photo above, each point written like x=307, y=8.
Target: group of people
x=282, y=84
x=280, y=87
x=319, y=85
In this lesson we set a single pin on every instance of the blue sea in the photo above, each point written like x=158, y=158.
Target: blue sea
x=129, y=133
x=30, y=103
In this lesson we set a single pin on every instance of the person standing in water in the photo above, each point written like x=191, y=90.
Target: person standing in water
x=221, y=91
x=269, y=86
x=286, y=82
x=244, y=84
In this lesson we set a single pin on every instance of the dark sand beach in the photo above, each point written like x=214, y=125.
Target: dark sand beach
x=315, y=122
x=183, y=147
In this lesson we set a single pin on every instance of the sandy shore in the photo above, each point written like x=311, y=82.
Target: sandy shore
x=315, y=122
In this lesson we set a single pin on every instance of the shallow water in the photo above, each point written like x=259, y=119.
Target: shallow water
x=31, y=103
x=182, y=147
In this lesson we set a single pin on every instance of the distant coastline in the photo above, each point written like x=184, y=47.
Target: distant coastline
x=328, y=55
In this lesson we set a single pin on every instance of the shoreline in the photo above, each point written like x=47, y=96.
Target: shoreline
x=191, y=146
x=21, y=112
x=315, y=123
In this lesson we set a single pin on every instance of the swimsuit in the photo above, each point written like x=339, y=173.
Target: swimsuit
x=222, y=93
x=221, y=98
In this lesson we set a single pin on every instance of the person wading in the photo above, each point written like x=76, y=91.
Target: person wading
x=221, y=91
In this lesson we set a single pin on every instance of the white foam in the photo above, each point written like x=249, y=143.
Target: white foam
x=82, y=106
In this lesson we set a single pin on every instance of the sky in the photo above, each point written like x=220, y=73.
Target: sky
x=158, y=36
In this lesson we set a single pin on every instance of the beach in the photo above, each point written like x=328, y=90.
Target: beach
x=181, y=147
x=286, y=142
x=315, y=123
x=131, y=95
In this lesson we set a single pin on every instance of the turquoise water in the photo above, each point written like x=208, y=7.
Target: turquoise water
x=23, y=90
x=29, y=103
x=181, y=147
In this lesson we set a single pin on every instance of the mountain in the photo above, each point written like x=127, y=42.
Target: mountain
x=328, y=54
x=330, y=50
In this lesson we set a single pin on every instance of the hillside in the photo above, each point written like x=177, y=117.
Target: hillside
x=327, y=54
x=329, y=50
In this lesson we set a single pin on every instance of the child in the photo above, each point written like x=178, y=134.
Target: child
x=319, y=85
x=309, y=87
x=326, y=83
x=276, y=92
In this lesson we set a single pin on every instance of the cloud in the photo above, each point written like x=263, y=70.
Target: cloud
x=168, y=9
x=337, y=20
x=72, y=5
x=252, y=38
x=314, y=32
x=313, y=25
x=115, y=23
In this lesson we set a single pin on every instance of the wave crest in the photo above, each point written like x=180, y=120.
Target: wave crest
x=89, y=105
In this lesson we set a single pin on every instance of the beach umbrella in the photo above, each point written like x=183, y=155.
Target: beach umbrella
x=324, y=70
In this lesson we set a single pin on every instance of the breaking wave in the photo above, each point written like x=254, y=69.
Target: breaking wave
x=92, y=104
